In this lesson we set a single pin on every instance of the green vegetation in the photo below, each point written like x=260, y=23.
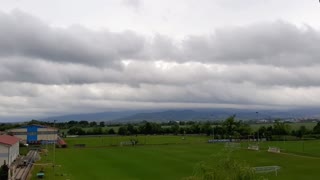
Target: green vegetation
x=175, y=150
x=172, y=157
x=228, y=129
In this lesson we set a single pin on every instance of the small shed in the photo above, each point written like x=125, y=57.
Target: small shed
x=9, y=149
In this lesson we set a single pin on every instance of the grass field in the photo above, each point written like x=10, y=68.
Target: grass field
x=171, y=157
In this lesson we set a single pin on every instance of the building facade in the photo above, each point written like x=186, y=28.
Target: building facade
x=35, y=134
x=9, y=149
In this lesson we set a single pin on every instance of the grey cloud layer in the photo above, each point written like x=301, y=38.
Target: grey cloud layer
x=46, y=70
x=278, y=43
x=159, y=72
x=26, y=36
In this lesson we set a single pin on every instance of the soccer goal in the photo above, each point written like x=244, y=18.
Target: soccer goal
x=125, y=143
x=232, y=145
x=267, y=169
x=253, y=147
x=274, y=149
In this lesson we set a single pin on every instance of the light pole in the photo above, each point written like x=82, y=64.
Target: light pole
x=258, y=129
x=54, y=148
x=213, y=134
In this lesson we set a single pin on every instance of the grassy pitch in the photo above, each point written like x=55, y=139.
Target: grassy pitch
x=172, y=157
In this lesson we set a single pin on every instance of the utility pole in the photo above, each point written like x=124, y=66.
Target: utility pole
x=54, y=149
x=47, y=141
x=213, y=134
x=258, y=129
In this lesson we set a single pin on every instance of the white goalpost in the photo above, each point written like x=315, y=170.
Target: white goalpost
x=274, y=149
x=253, y=147
x=232, y=145
x=267, y=169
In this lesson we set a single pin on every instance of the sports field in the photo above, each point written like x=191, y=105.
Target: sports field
x=172, y=157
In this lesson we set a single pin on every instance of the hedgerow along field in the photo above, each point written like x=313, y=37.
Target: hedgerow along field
x=294, y=126
x=173, y=157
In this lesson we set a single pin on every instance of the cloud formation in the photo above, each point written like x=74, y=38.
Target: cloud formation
x=278, y=43
x=46, y=70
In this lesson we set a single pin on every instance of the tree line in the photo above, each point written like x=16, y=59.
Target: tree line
x=229, y=128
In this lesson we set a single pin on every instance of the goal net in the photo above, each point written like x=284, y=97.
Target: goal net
x=232, y=145
x=274, y=149
x=267, y=169
x=253, y=147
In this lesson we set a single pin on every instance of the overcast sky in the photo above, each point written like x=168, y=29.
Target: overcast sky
x=79, y=56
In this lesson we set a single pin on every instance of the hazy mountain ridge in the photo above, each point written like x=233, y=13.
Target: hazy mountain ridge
x=188, y=115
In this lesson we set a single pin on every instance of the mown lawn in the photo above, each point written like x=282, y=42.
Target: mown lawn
x=142, y=140
x=175, y=159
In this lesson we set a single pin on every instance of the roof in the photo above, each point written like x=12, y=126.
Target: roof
x=38, y=126
x=61, y=142
x=33, y=125
x=8, y=140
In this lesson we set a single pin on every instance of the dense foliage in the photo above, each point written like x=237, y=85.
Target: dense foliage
x=230, y=128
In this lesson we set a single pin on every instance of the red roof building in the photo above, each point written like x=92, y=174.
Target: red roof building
x=8, y=140
x=9, y=149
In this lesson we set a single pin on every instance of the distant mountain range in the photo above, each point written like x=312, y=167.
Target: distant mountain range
x=188, y=115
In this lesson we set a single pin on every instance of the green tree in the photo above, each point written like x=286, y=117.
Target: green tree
x=84, y=123
x=150, y=128
x=175, y=129
x=123, y=130
x=111, y=131
x=132, y=129
x=230, y=125
x=316, y=129
x=206, y=128
x=76, y=131
x=280, y=128
x=195, y=128
x=101, y=124
x=93, y=124
x=97, y=130
x=262, y=131
x=301, y=131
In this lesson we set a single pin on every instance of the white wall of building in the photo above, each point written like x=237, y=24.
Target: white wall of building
x=13, y=152
x=4, y=153
x=8, y=153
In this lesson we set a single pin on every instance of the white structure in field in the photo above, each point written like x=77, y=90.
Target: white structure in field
x=253, y=147
x=274, y=149
x=9, y=149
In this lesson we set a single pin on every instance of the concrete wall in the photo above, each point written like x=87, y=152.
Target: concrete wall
x=18, y=130
x=13, y=152
x=4, y=154
x=9, y=153
x=47, y=137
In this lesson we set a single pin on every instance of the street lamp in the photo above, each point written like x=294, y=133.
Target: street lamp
x=54, y=147
x=258, y=129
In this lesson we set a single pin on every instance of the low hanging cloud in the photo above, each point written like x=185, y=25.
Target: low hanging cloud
x=46, y=70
